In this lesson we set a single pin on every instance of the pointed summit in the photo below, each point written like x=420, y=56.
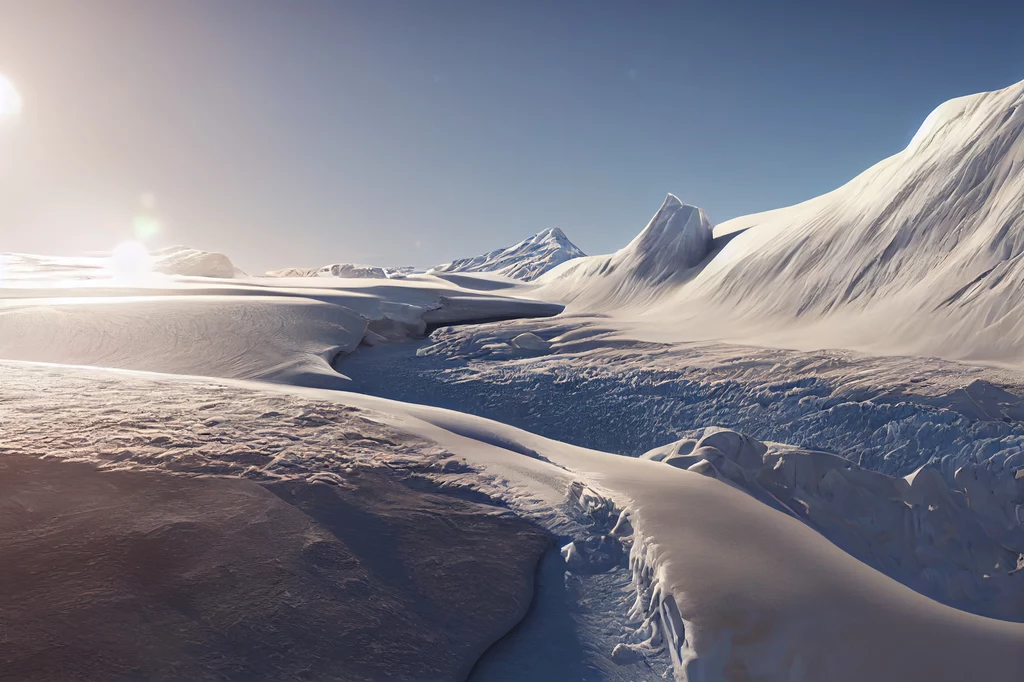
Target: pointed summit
x=668, y=250
x=526, y=260
x=551, y=233
x=678, y=237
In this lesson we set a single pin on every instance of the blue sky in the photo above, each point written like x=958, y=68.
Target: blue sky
x=302, y=133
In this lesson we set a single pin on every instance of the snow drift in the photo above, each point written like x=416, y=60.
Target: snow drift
x=959, y=545
x=526, y=260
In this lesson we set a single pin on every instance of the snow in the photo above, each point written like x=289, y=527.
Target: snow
x=288, y=330
x=916, y=529
x=774, y=510
x=181, y=260
x=526, y=260
x=919, y=255
x=131, y=574
x=677, y=239
x=723, y=582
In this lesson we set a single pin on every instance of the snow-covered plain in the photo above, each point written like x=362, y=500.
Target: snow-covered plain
x=660, y=539
x=726, y=584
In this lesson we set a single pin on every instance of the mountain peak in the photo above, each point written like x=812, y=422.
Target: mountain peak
x=552, y=233
x=671, y=200
x=526, y=260
x=678, y=237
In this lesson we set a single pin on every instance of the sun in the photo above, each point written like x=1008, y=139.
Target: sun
x=10, y=99
x=130, y=262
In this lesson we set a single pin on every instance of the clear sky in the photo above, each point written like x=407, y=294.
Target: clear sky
x=410, y=132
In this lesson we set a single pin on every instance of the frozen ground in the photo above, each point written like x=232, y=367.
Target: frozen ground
x=723, y=583
x=886, y=415
x=891, y=414
x=616, y=602
x=127, y=575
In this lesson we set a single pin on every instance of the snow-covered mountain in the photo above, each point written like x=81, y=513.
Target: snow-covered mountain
x=920, y=253
x=526, y=260
x=928, y=238
x=676, y=240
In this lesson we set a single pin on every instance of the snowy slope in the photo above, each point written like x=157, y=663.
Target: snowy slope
x=288, y=330
x=919, y=254
x=722, y=582
x=247, y=574
x=924, y=246
x=729, y=586
x=526, y=260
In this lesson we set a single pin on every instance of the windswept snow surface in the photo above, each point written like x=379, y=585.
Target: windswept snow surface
x=919, y=254
x=285, y=330
x=187, y=531
x=526, y=260
x=731, y=588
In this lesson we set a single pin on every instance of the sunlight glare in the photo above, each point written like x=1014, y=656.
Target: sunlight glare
x=130, y=261
x=10, y=100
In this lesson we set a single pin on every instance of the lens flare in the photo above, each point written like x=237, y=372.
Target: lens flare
x=10, y=100
x=146, y=227
x=130, y=261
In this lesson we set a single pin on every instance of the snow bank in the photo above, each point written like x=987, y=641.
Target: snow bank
x=526, y=260
x=951, y=544
x=346, y=575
